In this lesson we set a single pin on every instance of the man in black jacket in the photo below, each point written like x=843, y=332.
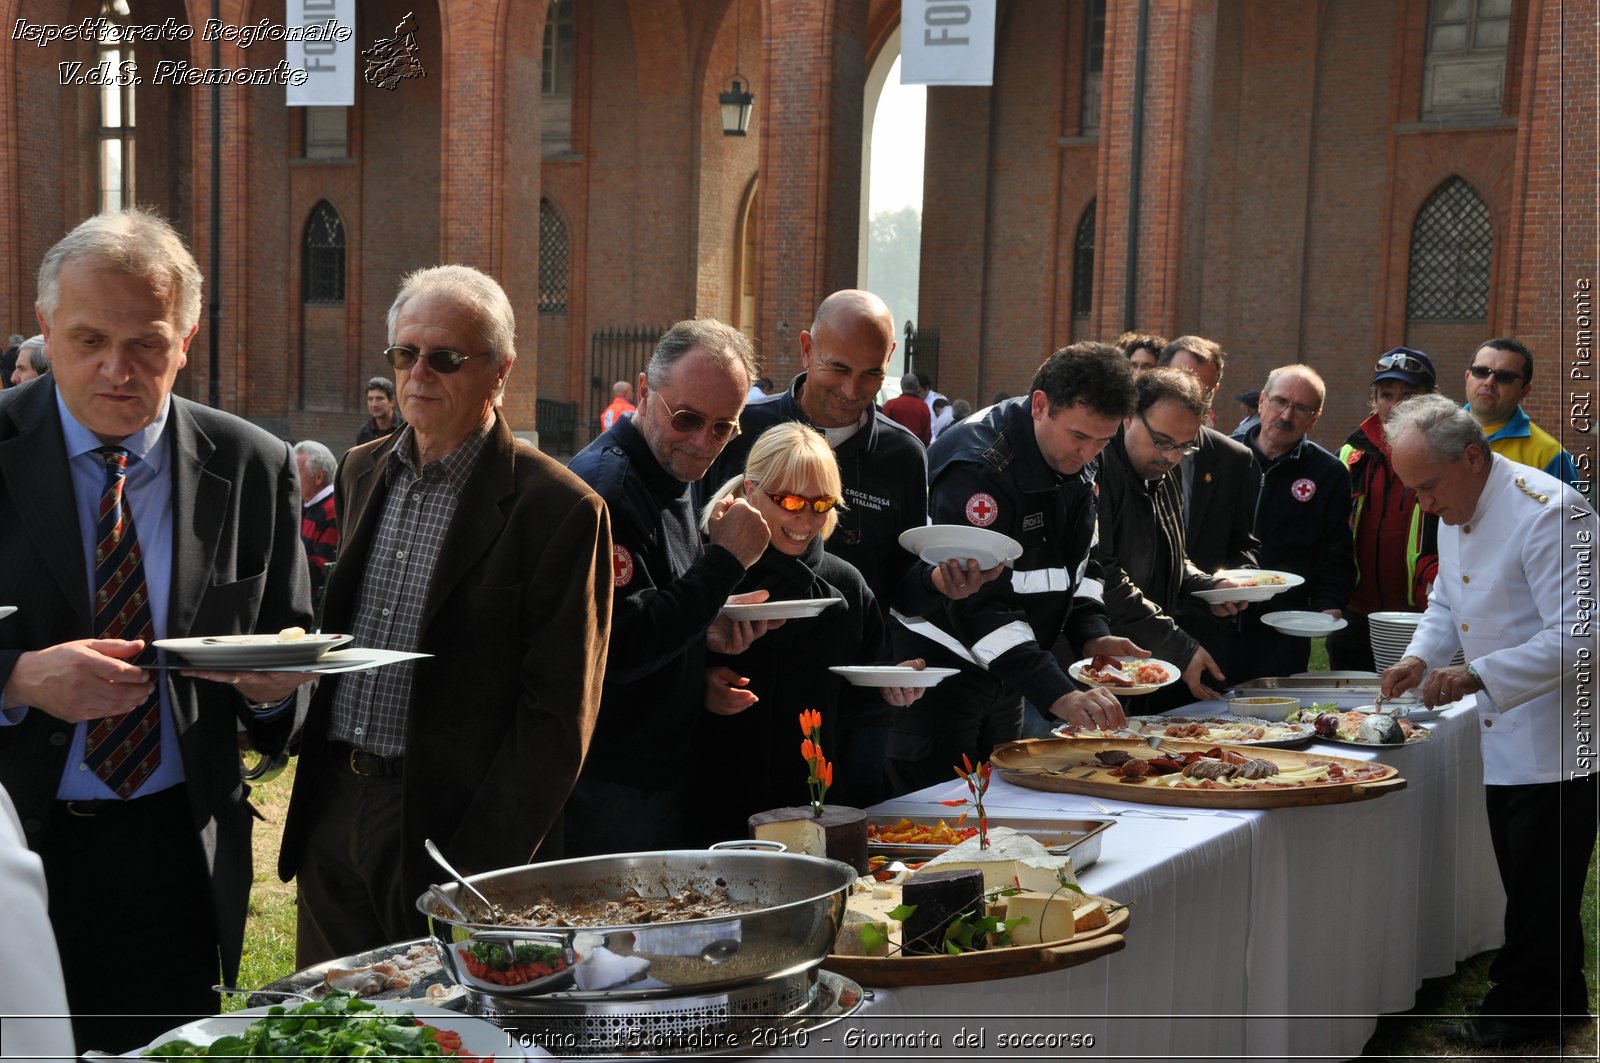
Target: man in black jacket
x=1025, y=468
x=667, y=591
x=1141, y=542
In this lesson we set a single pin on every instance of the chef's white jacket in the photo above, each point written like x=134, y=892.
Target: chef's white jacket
x=1516, y=591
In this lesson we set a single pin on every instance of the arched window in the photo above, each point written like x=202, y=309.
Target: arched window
x=115, y=58
x=1083, y=264
x=553, y=260
x=1451, y=244
x=322, y=258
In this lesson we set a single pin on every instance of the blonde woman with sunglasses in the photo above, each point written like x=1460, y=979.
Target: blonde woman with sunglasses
x=751, y=731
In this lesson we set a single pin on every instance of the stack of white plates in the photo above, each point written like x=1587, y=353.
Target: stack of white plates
x=1391, y=633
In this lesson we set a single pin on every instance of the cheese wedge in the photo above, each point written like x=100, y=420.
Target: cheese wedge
x=1010, y=858
x=1052, y=916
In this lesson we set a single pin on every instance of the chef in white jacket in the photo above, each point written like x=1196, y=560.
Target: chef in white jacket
x=1514, y=591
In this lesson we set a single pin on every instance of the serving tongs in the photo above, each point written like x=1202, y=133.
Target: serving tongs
x=287, y=994
x=491, y=913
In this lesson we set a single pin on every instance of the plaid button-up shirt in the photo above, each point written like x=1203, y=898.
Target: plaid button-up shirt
x=370, y=708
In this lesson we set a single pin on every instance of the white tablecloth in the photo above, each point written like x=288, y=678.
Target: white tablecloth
x=1266, y=934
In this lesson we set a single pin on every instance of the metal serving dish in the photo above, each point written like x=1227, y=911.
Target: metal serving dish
x=1078, y=838
x=799, y=905
x=1328, y=687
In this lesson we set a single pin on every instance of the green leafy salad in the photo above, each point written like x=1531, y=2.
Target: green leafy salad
x=340, y=1026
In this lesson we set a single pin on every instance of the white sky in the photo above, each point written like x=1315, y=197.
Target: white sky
x=897, y=134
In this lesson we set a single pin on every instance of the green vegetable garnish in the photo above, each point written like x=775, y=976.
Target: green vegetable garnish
x=341, y=1025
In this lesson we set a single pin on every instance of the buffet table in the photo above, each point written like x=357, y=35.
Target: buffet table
x=1266, y=934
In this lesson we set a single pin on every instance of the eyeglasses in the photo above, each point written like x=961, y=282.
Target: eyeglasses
x=688, y=422
x=440, y=359
x=1503, y=377
x=1405, y=362
x=1166, y=443
x=795, y=503
x=1280, y=405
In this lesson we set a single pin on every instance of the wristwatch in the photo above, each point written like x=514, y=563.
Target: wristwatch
x=1476, y=678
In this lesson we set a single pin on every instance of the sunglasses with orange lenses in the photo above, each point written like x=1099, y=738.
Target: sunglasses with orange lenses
x=795, y=503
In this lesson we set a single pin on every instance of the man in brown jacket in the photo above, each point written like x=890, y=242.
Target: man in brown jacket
x=466, y=544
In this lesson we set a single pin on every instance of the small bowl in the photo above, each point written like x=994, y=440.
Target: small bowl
x=1275, y=709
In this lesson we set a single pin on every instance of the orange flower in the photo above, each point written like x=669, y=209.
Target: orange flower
x=827, y=774
x=807, y=750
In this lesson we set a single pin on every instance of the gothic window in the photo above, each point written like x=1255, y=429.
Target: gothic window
x=1464, y=71
x=1083, y=264
x=1451, y=244
x=553, y=260
x=556, y=61
x=322, y=262
x=114, y=57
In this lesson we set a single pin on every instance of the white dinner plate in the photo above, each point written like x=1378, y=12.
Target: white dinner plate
x=1077, y=670
x=1304, y=622
x=892, y=675
x=796, y=609
x=478, y=1036
x=1412, y=711
x=6, y=610
x=942, y=542
x=245, y=652
x=1258, y=593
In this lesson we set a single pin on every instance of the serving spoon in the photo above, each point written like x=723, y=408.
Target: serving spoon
x=438, y=858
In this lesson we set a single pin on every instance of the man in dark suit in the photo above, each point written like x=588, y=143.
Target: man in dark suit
x=1220, y=483
x=127, y=515
x=461, y=542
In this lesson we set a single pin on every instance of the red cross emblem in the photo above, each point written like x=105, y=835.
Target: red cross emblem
x=982, y=509
x=621, y=566
x=1303, y=489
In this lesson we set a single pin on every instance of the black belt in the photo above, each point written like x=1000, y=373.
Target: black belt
x=100, y=806
x=368, y=765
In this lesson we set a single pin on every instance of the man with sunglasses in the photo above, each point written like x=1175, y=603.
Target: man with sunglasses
x=668, y=585
x=1141, y=545
x=1499, y=378
x=467, y=545
x=1302, y=521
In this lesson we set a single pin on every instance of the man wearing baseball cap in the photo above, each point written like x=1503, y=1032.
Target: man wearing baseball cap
x=1395, y=538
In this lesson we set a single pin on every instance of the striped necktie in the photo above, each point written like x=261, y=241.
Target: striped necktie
x=121, y=750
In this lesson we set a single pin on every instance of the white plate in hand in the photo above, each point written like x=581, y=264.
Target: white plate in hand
x=935, y=543
x=1257, y=593
x=247, y=652
x=1304, y=622
x=6, y=610
x=892, y=675
x=478, y=1036
x=1078, y=670
x=796, y=609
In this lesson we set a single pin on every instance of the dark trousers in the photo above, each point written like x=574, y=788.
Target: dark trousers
x=130, y=902
x=607, y=816
x=1266, y=651
x=350, y=894
x=970, y=713
x=1350, y=648
x=1543, y=838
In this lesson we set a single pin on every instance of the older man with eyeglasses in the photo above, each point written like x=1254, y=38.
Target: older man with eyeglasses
x=668, y=586
x=467, y=545
x=1302, y=521
x=1499, y=378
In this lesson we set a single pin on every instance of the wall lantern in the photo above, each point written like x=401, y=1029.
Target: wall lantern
x=737, y=99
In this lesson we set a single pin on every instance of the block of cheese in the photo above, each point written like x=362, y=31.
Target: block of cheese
x=840, y=833
x=849, y=942
x=1010, y=855
x=1054, y=916
x=938, y=897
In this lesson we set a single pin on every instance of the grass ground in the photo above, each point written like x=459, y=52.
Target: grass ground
x=1414, y=1035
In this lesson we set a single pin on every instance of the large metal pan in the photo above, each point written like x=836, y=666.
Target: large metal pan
x=800, y=903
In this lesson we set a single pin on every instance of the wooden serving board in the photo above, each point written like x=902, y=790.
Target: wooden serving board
x=1013, y=962
x=1068, y=765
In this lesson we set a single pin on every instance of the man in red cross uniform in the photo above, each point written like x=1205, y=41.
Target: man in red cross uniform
x=1024, y=468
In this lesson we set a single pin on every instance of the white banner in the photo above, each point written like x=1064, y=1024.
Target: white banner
x=945, y=42
x=325, y=50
